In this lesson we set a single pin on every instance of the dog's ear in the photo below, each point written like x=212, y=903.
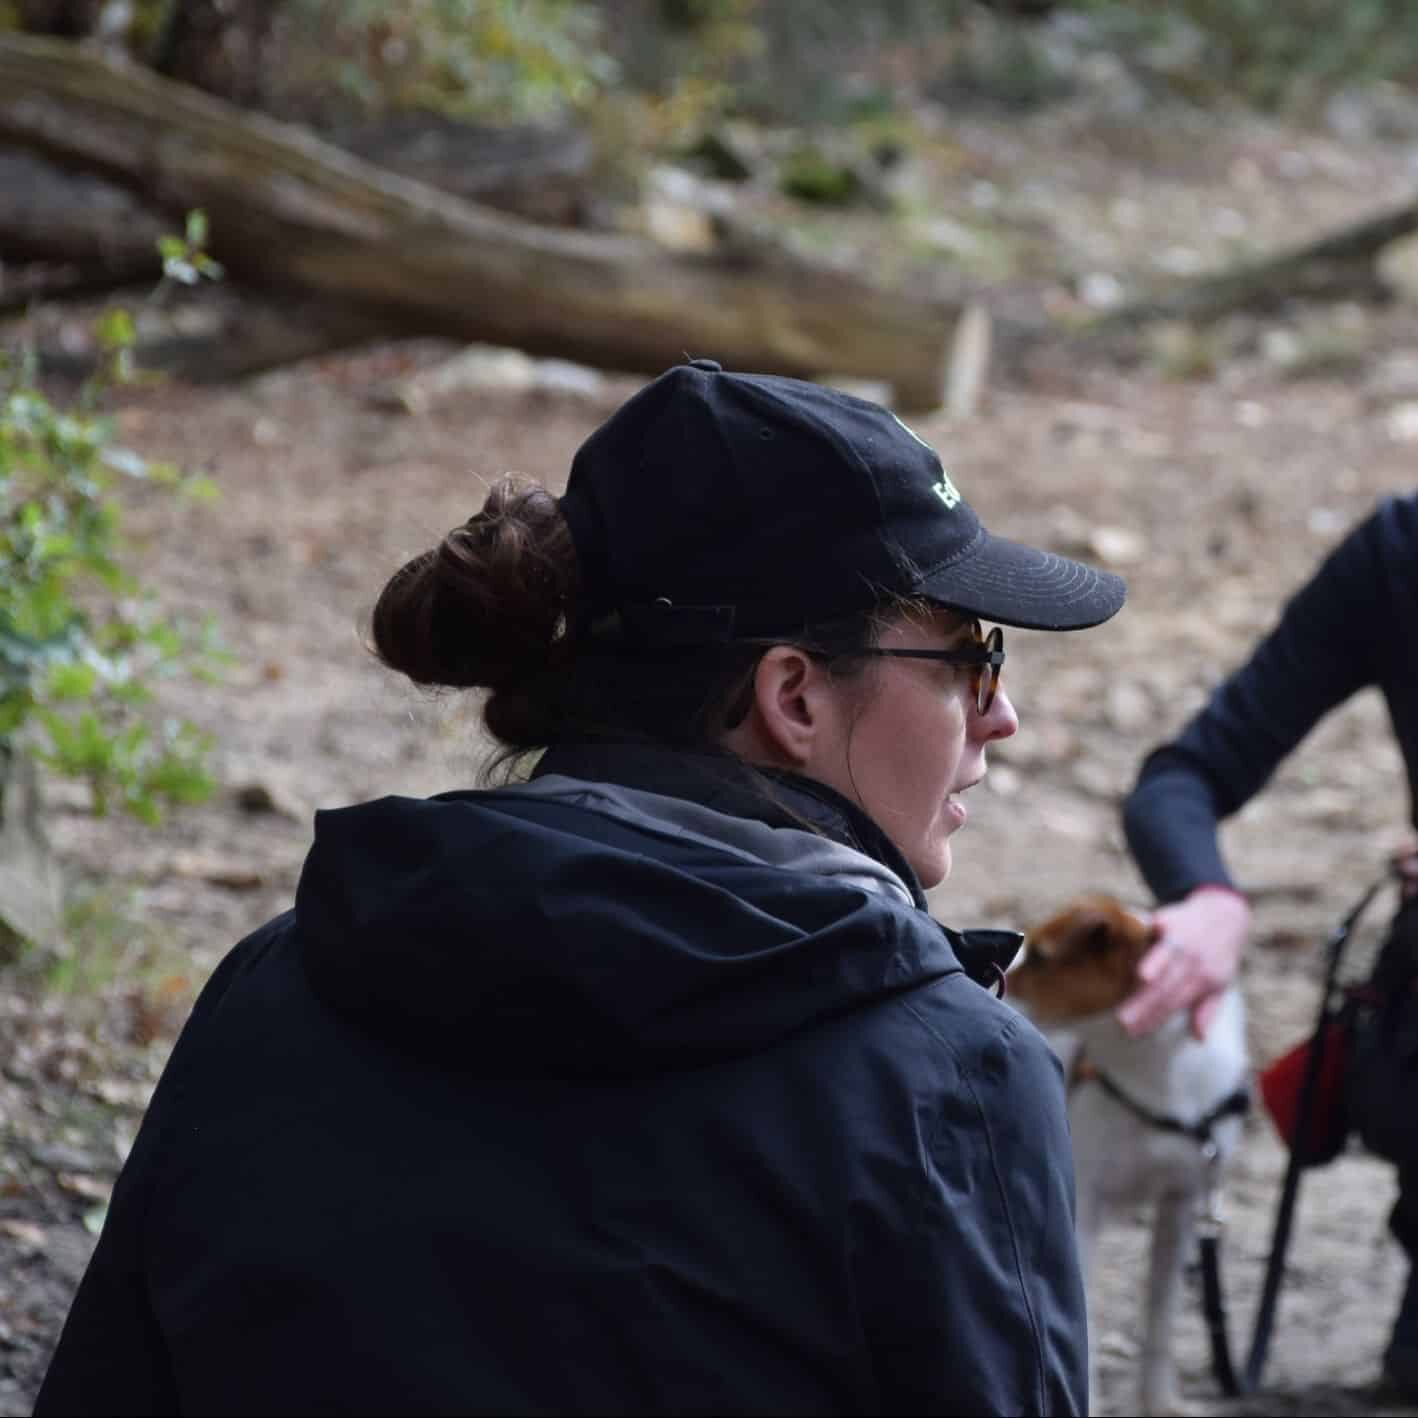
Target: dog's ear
x=1098, y=937
x=1088, y=925
x=1099, y=924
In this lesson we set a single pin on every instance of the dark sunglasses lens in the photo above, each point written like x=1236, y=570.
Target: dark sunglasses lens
x=987, y=681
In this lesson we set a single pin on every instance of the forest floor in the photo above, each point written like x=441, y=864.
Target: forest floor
x=1213, y=494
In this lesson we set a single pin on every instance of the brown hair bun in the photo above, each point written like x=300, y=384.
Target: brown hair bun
x=491, y=604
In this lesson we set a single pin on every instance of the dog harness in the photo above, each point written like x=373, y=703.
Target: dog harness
x=1234, y=1104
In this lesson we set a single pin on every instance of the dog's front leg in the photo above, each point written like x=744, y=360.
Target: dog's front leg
x=1088, y=1221
x=1173, y=1233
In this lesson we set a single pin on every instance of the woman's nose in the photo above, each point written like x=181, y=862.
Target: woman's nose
x=999, y=721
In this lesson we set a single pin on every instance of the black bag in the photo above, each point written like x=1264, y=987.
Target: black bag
x=1381, y=1086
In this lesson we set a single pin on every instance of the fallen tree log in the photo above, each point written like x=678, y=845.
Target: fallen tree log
x=1339, y=265
x=543, y=174
x=60, y=216
x=288, y=209
x=74, y=219
x=68, y=234
x=25, y=288
x=217, y=333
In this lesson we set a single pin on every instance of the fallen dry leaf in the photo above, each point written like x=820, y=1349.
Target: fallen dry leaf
x=217, y=870
x=30, y=1236
x=154, y=1012
x=90, y=1188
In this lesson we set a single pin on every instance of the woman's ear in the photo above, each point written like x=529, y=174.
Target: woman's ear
x=789, y=713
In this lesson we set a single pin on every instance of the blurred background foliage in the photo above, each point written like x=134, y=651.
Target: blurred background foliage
x=650, y=79
x=677, y=64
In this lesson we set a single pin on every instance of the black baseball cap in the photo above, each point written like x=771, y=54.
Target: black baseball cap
x=715, y=506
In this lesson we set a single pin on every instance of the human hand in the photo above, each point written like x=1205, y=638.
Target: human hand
x=1196, y=950
x=1405, y=866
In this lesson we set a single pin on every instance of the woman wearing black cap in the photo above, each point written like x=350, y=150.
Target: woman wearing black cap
x=647, y=1083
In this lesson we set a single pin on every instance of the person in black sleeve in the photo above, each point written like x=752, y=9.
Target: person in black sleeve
x=1352, y=625
x=645, y=1083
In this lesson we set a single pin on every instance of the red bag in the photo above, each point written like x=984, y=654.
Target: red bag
x=1282, y=1080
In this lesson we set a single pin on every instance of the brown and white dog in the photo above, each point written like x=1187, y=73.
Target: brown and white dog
x=1153, y=1118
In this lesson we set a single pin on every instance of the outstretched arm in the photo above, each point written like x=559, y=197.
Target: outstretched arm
x=1324, y=648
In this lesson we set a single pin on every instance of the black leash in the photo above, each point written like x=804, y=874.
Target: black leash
x=1209, y=1220
x=1234, y=1384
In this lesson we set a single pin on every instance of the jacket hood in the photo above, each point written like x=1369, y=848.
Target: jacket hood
x=574, y=925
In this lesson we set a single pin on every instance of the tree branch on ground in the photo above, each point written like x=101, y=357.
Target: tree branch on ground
x=1337, y=266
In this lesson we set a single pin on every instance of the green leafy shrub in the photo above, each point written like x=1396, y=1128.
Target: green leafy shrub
x=507, y=60
x=81, y=643
x=1274, y=56
x=813, y=176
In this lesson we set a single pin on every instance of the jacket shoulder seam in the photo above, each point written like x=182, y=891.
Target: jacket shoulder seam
x=1010, y=1027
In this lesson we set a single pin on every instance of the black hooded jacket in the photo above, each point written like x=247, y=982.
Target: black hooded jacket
x=619, y=1092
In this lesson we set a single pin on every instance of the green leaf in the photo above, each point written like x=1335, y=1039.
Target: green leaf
x=70, y=681
x=143, y=806
x=14, y=710
x=163, y=638
x=201, y=488
x=115, y=329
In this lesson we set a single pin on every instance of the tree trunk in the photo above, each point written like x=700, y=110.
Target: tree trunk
x=30, y=895
x=288, y=209
x=220, y=46
x=71, y=19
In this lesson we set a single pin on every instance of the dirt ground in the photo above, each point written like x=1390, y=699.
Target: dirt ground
x=1213, y=496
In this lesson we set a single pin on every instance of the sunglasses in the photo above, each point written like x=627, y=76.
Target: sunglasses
x=985, y=657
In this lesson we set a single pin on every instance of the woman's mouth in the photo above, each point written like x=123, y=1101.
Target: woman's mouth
x=955, y=810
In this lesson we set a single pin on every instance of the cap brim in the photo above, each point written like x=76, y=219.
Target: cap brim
x=1017, y=585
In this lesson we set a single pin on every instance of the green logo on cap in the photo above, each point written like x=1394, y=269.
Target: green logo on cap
x=944, y=489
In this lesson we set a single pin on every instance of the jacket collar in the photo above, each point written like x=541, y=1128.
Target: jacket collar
x=726, y=783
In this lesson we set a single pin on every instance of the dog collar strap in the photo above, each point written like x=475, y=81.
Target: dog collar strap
x=1232, y=1105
